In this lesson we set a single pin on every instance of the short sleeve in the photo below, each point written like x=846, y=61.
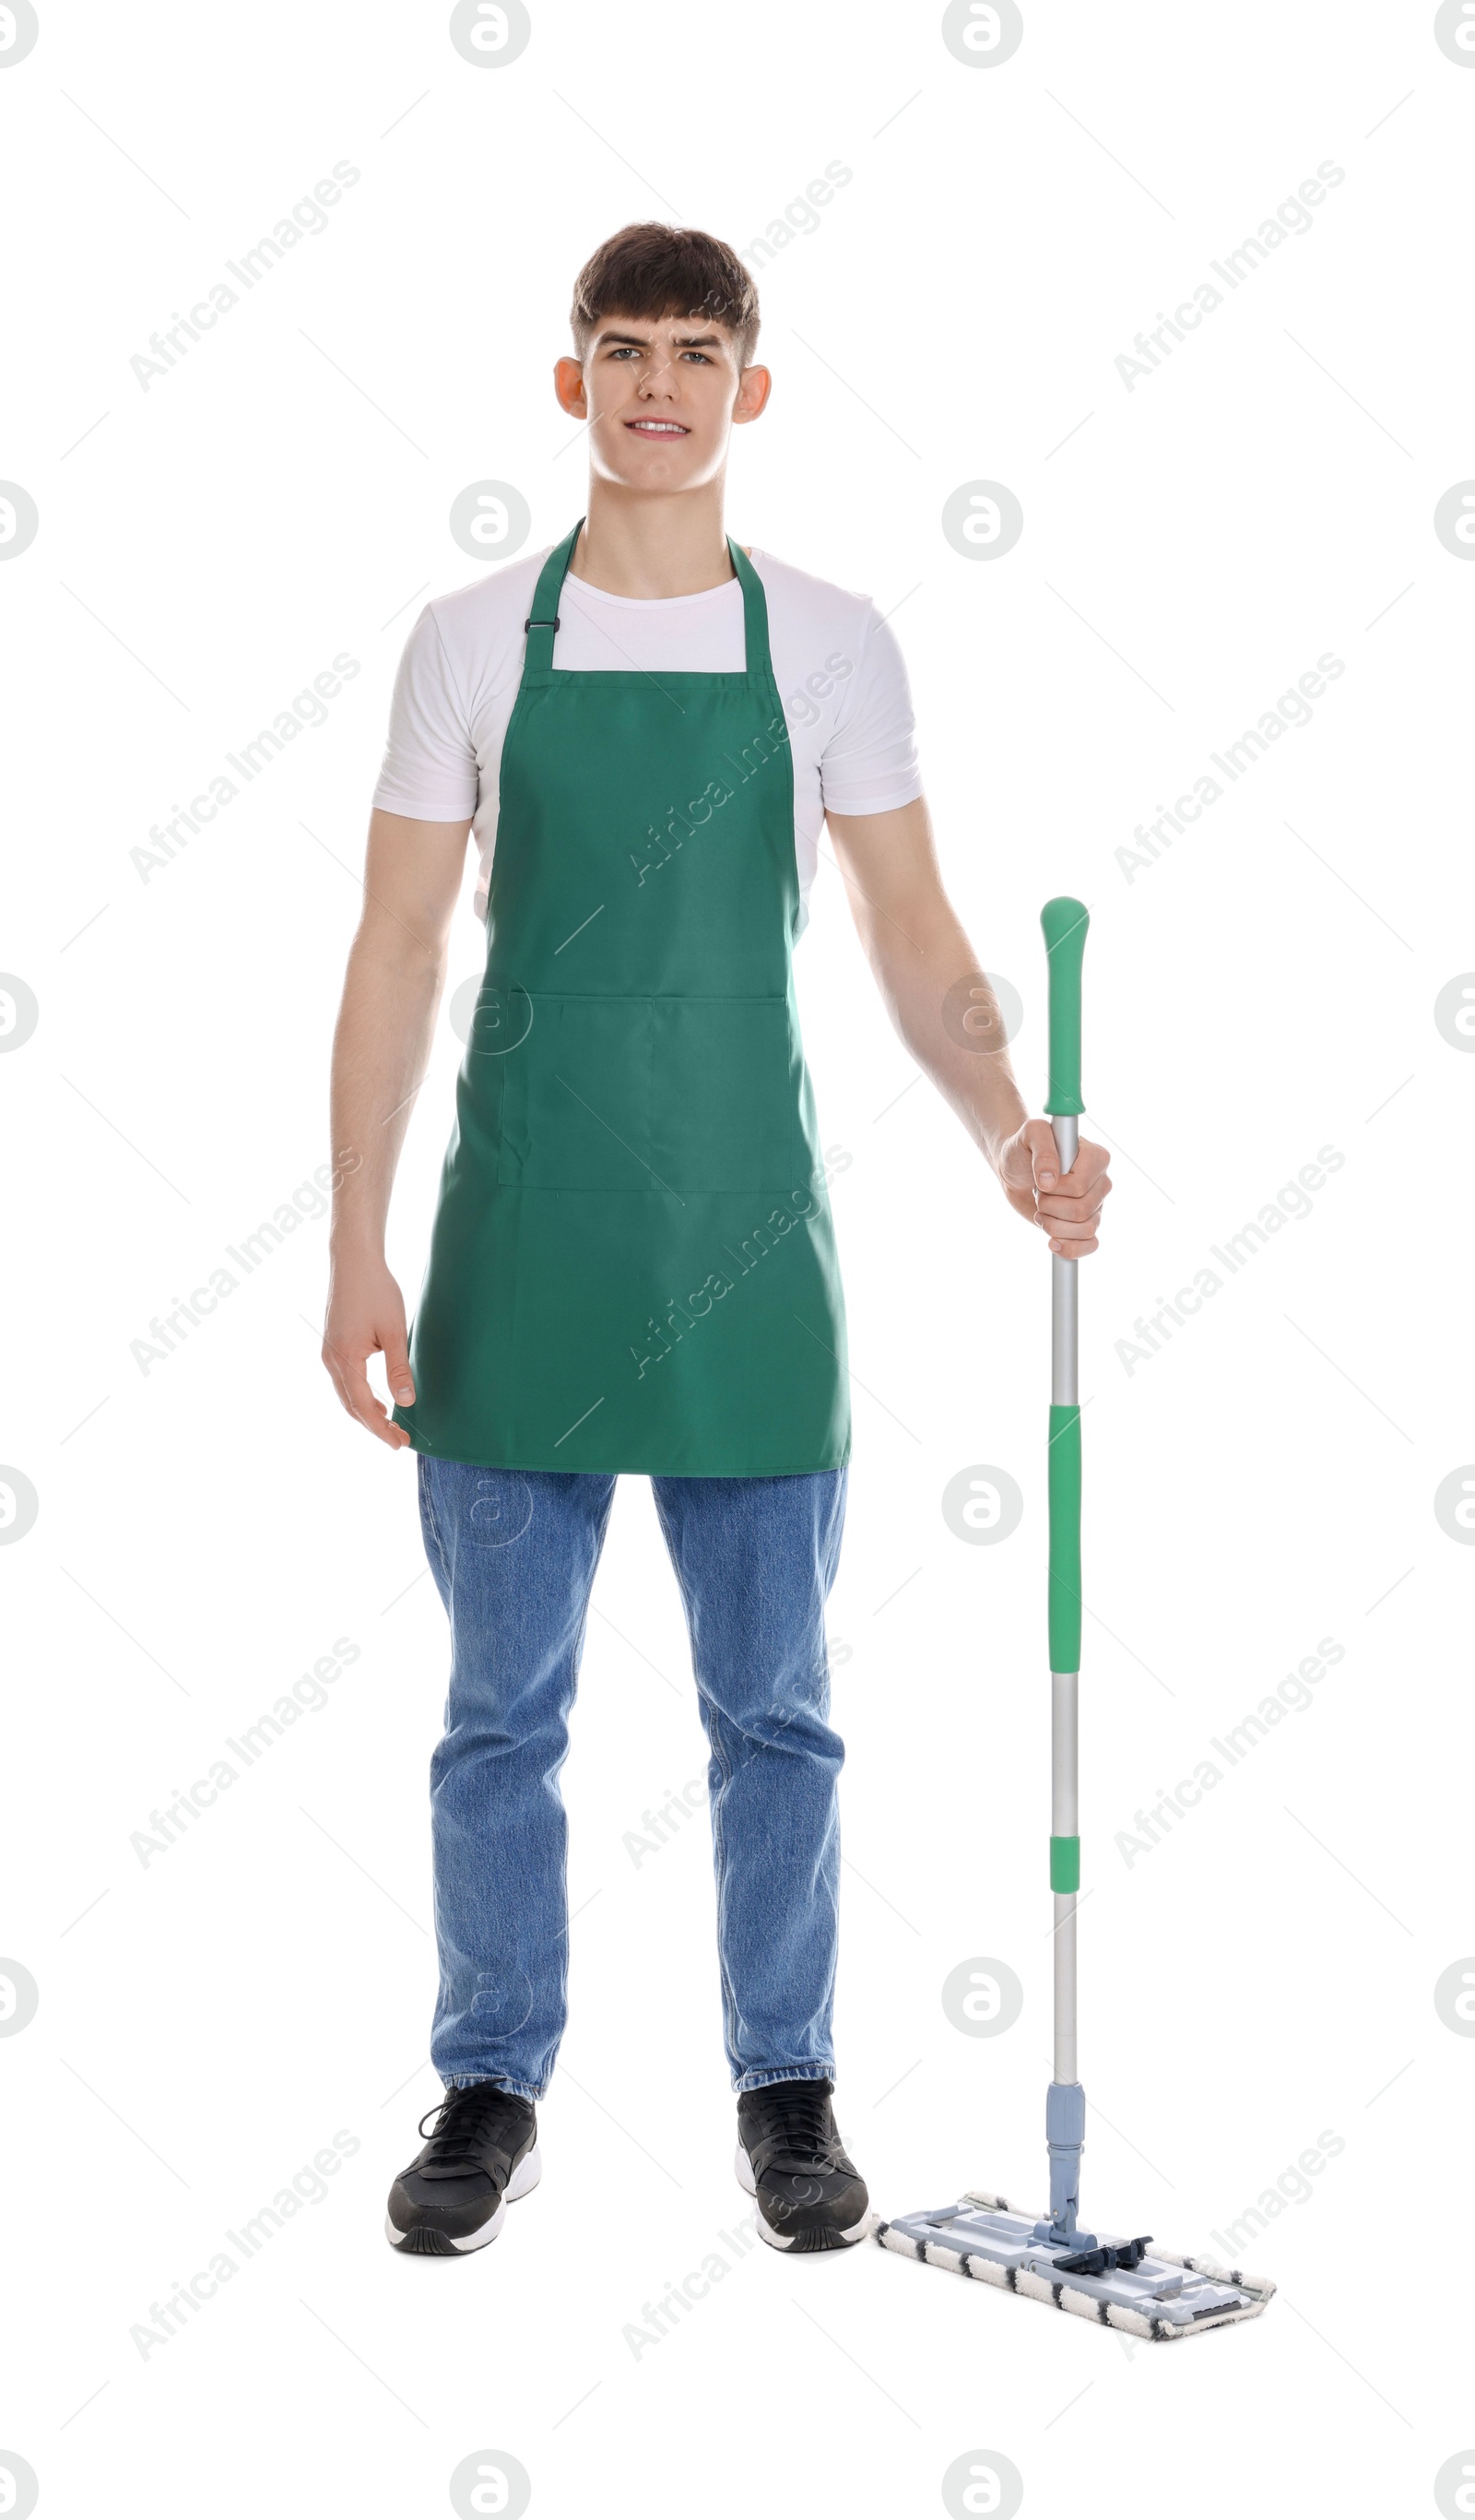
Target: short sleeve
x=429, y=765
x=869, y=764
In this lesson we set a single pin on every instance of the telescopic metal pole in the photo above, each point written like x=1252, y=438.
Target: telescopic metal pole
x=1064, y=1686
x=1065, y=923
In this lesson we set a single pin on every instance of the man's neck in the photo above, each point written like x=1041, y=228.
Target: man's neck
x=648, y=547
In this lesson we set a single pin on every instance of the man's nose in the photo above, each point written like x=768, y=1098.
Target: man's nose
x=659, y=378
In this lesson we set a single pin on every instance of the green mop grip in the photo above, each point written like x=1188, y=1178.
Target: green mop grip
x=1064, y=1490
x=1065, y=923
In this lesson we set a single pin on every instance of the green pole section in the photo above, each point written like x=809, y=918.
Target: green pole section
x=1065, y=923
x=1064, y=1484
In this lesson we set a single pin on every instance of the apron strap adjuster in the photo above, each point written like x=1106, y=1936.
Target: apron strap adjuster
x=555, y=624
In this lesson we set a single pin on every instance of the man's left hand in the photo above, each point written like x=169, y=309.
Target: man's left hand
x=1067, y=1205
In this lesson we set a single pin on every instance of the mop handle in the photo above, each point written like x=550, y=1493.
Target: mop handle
x=1065, y=923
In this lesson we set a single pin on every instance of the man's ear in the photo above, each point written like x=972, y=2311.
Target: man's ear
x=753, y=389
x=569, y=386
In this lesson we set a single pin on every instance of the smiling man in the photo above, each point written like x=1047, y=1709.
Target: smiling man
x=633, y=1266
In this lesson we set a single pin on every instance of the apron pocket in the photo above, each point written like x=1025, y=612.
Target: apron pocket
x=576, y=1097
x=725, y=1093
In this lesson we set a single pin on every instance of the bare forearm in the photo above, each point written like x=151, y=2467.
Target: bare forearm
x=948, y=1015
x=926, y=970
x=390, y=994
x=391, y=989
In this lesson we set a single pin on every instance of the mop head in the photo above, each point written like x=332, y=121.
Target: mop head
x=1158, y=2297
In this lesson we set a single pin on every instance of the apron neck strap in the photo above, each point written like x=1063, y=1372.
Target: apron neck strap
x=754, y=612
x=543, y=620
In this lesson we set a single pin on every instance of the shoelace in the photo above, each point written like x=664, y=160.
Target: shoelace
x=794, y=2121
x=464, y=2120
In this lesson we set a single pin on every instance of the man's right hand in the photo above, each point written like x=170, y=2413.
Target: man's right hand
x=366, y=1316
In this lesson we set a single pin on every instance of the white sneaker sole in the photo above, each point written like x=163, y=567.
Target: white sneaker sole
x=777, y=2240
x=523, y=2180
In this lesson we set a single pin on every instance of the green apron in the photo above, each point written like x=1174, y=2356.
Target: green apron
x=633, y=1265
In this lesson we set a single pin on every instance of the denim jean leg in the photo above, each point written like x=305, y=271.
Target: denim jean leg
x=513, y=1555
x=755, y=1559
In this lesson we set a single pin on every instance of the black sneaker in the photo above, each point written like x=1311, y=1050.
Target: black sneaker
x=789, y=2156
x=454, y=2196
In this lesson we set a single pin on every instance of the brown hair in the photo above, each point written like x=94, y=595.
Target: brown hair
x=651, y=270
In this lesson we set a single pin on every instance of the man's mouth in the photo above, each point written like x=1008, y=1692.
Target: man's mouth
x=658, y=428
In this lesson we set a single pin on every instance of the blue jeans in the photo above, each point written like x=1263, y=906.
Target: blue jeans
x=513, y=1555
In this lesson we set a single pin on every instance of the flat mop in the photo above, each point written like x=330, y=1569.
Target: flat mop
x=1123, y=2284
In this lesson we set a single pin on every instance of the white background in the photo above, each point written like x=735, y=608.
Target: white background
x=207, y=1530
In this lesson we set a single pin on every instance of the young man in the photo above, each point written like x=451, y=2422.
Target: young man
x=633, y=1266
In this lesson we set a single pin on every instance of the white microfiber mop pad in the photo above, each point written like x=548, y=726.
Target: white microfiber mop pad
x=989, y=2240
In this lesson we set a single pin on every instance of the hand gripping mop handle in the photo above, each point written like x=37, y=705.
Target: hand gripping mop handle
x=1065, y=923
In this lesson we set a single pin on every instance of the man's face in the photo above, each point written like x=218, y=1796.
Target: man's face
x=660, y=396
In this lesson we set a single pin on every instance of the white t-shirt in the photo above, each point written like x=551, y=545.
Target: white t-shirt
x=838, y=666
